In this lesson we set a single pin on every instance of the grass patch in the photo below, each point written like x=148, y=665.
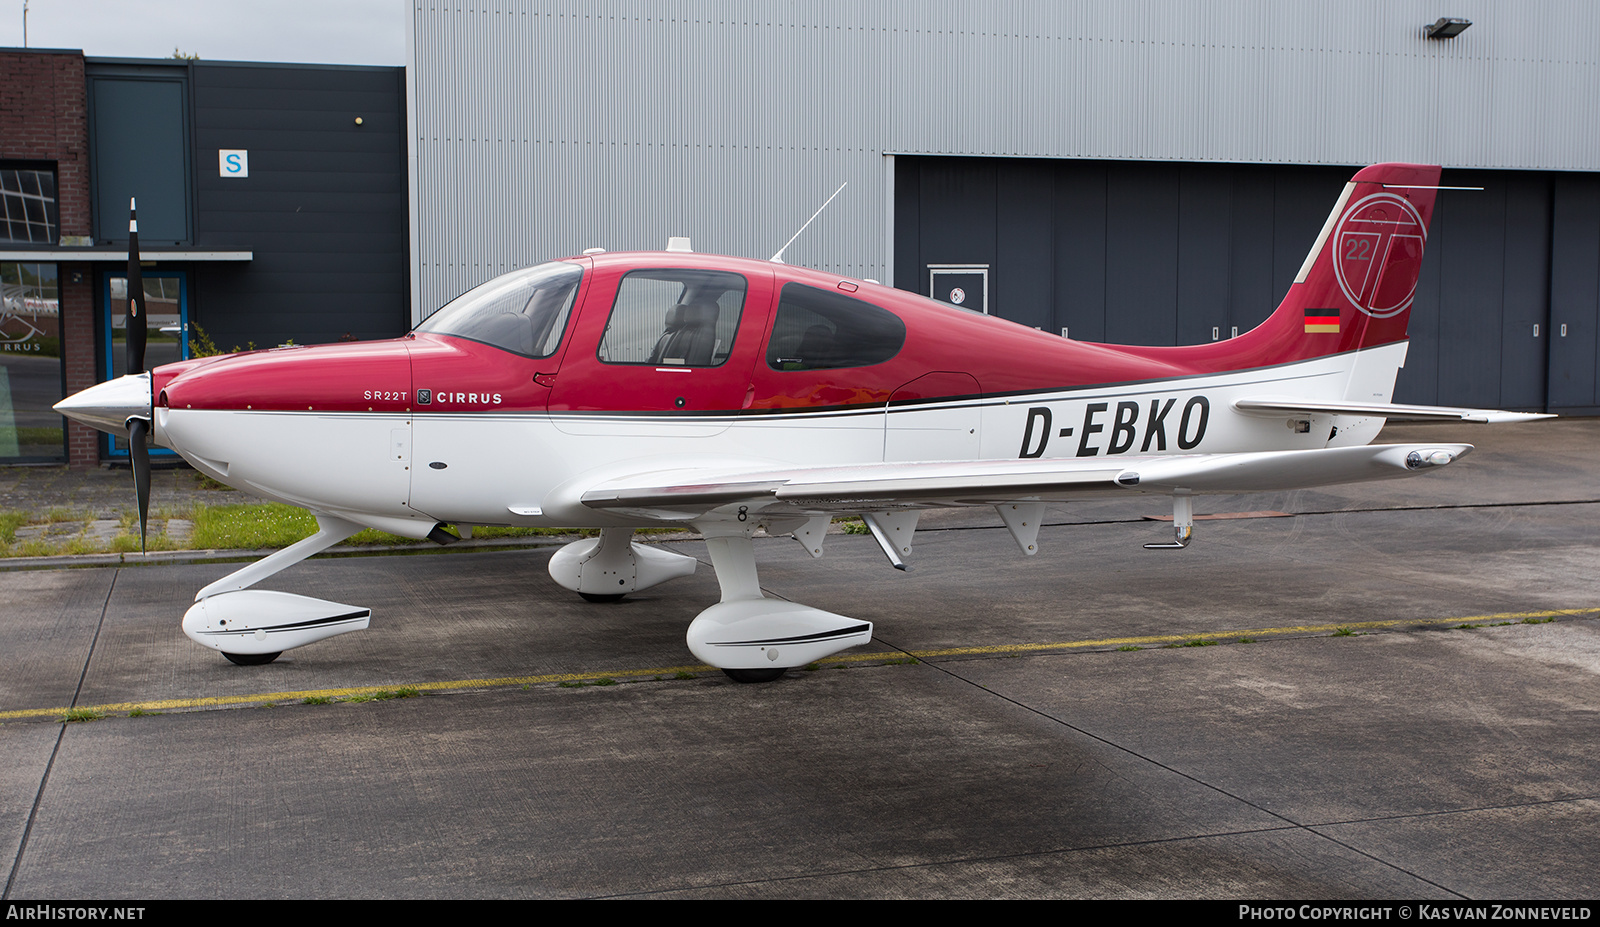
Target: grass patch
x=249, y=526
x=129, y=543
x=43, y=547
x=316, y=700
x=1246, y=640
x=385, y=695
x=207, y=483
x=79, y=715
x=1127, y=647
x=504, y=531
x=685, y=674
x=274, y=525
x=1465, y=627
x=243, y=526
x=605, y=681
x=368, y=536
x=141, y=713
x=572, y=684
x=1199, y=642
x=853, y=525
x=1537, y=620
x=905, y=661
x=1343, y=632
x=9, y=523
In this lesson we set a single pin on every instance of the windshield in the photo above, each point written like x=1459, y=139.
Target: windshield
x=524, y=312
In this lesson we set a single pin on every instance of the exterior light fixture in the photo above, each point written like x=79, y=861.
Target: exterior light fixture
x=1448, y=27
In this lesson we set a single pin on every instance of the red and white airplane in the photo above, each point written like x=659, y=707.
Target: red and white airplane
x=619, y=391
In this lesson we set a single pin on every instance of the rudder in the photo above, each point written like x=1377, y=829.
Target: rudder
x=1356, y=287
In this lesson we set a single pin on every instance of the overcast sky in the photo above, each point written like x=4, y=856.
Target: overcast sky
x=317, y=31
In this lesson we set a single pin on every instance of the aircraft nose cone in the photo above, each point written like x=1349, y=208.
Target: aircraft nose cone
x=108, y=406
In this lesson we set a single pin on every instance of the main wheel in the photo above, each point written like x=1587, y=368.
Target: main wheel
x=252, y=659
x=755, y=675
x=602, y=596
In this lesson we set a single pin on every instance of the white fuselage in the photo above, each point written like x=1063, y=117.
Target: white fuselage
x=404, y=473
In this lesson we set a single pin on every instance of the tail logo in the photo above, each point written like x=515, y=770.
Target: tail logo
x=1379, y=242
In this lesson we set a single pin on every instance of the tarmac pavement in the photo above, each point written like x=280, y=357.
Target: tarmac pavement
x=1028, y=752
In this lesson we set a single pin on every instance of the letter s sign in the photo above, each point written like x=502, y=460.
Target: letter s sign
x=233, y=162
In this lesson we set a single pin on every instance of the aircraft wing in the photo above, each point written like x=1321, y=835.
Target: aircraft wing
x=1273, y=405
x=694, y=493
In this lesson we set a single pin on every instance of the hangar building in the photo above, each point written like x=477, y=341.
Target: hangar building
x=1148, y=172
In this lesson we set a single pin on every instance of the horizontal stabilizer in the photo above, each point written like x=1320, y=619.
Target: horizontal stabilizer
x=1391, y=411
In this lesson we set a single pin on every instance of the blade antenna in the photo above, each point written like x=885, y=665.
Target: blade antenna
x=137, y=331
x=778, y=258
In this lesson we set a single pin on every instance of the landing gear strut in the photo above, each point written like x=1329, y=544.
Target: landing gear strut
x=251, y=627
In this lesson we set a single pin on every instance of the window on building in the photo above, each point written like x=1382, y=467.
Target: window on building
x=29, y=213
x=30, y=363
x=139, y=148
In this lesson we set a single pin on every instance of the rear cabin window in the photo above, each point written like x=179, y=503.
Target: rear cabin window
x=674, y=318
x=524, y=312
x=819, y=330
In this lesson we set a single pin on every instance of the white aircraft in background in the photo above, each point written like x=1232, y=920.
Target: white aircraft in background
x=629, y=390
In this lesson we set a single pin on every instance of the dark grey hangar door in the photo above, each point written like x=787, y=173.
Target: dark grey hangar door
x=964, y=285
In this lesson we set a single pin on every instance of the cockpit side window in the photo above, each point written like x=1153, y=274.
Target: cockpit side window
x=674, y=318
x=819, y=330
x=524, y=312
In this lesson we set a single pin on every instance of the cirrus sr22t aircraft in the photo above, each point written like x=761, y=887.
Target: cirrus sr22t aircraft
x=620, y=391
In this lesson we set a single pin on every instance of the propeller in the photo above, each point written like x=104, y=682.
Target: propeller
x=137, y=333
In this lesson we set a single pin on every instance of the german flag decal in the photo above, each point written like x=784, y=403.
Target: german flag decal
x=1322, y=321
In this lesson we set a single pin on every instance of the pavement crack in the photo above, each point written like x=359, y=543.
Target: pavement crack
x=55, y=749
x=1288, y=822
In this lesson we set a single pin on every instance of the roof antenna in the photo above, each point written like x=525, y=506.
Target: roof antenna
x=778, y=258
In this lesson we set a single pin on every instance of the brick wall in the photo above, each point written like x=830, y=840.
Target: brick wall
x=44, y=117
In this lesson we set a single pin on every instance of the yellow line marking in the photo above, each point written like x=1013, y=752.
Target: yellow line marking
x=1223, y=635
x=223, y=701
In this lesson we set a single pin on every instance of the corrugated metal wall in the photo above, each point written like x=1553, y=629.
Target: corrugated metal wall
x=542, y=127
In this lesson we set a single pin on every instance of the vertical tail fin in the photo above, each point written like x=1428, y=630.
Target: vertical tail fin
x=1356, y=286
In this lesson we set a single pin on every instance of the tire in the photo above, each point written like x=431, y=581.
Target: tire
x=602, y=596
x=252, y=659
x=755, y=675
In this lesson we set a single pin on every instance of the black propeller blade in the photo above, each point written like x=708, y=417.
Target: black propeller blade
x=137, y=329
x=139, y=454
x=137, y=332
